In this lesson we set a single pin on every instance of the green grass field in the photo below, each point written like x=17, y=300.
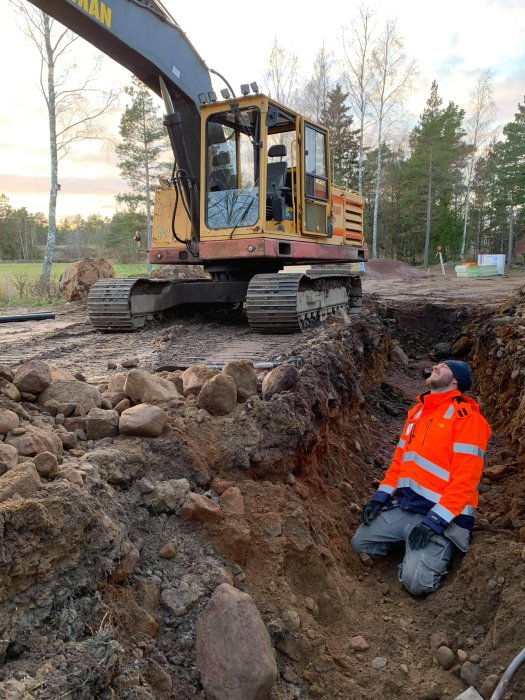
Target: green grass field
x=33, y=270
x=17, y=281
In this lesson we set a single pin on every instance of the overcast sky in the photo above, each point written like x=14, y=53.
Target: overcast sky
x=452, y=42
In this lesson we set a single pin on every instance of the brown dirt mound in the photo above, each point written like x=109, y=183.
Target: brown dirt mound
x=392, y=268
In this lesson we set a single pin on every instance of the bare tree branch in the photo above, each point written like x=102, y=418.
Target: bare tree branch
x=71, y=117
x=391, y=78
x=281, y=74
x=480, y=129
x=357, y=50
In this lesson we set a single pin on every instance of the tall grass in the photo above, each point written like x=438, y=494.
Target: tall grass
x=20, y=283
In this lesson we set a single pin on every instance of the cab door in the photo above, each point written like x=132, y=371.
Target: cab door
x=316, y=191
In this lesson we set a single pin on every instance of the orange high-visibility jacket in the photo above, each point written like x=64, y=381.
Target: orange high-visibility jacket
x=438, y=460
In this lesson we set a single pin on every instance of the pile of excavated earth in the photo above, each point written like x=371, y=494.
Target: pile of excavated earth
x=182, y=534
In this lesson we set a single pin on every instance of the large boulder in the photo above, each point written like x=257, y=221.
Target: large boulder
x=34, y=441
x=116, y=383
x=244, y=376
x=234, y=653
x=60, y=375
x=200, y=508
x=77, y=279
x=101, y=423
x=83, y=395
x=8, y=421
x=6, y=373
x=194, y=378
x=22, y=481
x=218, y=395
x=143, y=420
x=144, y=387
x=282, y=378
x=33, y=377
x=9, y=390
x=8, y=455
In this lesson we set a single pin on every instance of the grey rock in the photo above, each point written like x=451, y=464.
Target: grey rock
x=469, y=673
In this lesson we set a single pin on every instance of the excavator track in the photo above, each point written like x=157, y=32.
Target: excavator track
x=289, y=302
x=275, y=303
x=127, y=304
x=109, y=307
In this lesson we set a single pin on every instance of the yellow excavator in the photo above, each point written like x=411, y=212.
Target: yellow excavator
x=250, y=197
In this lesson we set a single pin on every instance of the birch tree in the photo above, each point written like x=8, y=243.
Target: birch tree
x=281, y=75
x=357, y=49
x=318, y=87
x=480, y=127
x=390, y=81
x=71, y=117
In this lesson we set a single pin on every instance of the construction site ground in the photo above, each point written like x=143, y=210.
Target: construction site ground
x=324, y=447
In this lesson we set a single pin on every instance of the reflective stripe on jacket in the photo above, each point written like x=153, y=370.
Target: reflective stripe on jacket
x=438, y=460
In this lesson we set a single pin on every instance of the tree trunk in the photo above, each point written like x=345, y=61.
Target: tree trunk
x=377, y=197
x=51, y=107
x=361, y=154
x=465, y=220
x=510, y=252
x=429, y=209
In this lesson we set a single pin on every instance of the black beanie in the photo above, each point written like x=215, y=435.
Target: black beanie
x=462, y=373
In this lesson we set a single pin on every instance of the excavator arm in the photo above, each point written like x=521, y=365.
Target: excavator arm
x=142, y=36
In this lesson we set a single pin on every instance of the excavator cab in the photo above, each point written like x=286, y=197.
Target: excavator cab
x=257, y=142
x=265, y=194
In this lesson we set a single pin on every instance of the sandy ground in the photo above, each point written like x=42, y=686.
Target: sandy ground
x=219, y=337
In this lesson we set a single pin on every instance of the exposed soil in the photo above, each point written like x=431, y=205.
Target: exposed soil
x=306, y=461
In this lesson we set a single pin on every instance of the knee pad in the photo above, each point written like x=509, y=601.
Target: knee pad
x=425, y=577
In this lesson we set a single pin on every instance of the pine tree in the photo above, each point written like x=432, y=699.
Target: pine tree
x=391, y=242
x=438, y=153
x=487, y=213
x=343, y=139
x=511, y=173
x=144, y=139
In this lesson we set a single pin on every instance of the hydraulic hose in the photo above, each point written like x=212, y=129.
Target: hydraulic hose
x=507, y=676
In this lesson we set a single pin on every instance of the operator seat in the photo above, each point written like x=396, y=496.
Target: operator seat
x=220, y=174
x=276, y=171
x=275, y=182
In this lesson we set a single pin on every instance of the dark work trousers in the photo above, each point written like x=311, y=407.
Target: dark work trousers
x=421, y=570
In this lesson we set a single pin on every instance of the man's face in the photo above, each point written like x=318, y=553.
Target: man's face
x=441, y=378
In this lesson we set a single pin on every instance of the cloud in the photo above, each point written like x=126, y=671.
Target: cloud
x=454, y=41
x=37, y=185
x=450, y=63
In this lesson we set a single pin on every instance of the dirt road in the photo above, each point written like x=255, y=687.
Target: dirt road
x=217, y=337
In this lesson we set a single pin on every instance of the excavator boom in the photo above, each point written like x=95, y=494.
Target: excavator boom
x=142, y=36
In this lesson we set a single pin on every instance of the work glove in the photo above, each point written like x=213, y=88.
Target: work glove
x=370, y=512
x=420, y=536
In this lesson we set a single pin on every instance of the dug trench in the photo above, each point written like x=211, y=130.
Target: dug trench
x=116, y=561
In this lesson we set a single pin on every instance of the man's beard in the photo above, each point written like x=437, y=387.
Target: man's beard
x=439, y=382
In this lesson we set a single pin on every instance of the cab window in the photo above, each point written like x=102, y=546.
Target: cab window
x=316, y=181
